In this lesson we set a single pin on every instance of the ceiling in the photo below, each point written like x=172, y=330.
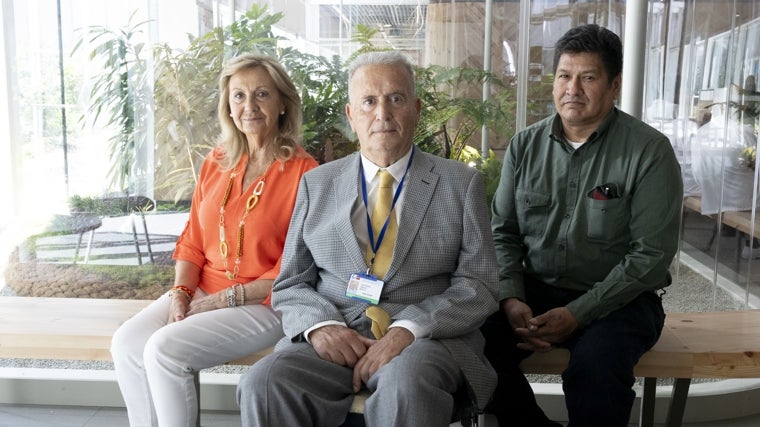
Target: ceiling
x=401, y=25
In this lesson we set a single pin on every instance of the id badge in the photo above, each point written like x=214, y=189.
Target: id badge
x=365, y=287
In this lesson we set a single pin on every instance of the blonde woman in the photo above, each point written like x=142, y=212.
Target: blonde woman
x=228, y=254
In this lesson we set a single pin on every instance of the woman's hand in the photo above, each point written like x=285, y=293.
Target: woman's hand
x=179, y=306
x=253, y=293
x=186, y=279
x=208, y=303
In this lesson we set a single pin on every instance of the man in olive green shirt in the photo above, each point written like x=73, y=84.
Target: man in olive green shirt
x=585, y=221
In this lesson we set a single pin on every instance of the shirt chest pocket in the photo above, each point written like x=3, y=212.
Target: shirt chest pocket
x=532, y=211
x=607, y=219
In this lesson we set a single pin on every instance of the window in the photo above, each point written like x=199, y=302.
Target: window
x=55, y=150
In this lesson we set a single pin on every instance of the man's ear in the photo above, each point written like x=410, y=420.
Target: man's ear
x=348, y=115
x=617, y=85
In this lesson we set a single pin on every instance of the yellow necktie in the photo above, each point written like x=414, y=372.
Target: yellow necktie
x=383, y=202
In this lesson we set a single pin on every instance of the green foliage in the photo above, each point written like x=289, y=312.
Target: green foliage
x=186, y=97
x=489, y=167
x=323, y=87
x=179, y=206
x=96, y=206
x=109, y=206
x=364, y=36
x=453, y=109
x=140, y=276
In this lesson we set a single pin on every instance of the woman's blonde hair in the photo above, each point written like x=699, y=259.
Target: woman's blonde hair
x=232, y=140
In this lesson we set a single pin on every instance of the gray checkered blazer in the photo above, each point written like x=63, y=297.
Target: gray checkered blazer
x=443, y=274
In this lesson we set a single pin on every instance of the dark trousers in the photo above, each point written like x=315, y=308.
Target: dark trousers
x=599, y=378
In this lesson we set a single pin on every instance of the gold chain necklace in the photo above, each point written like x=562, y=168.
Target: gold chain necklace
x=253, y=199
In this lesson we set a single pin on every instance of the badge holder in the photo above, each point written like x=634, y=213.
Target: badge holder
x=364, y=287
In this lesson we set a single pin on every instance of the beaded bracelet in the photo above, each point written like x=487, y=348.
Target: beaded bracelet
x=181, y=292
x=185, y=290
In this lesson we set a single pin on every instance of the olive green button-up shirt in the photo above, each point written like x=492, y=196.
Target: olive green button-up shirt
x=549, y=222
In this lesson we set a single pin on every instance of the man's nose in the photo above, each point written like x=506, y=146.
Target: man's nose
x=574, y=86
x=383, y=110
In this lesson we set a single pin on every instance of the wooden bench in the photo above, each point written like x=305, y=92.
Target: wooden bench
x=738, y=220
x=693, y=345
x=62, y=328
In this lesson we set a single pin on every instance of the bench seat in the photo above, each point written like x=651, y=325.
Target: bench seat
x=693, y=345
x=724, y=344
x=62, y=328
x=739, y=220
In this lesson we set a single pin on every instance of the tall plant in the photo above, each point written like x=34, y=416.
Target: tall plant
x=454, y=114
x=186, y=97
x=120, y=95
x=323, y=87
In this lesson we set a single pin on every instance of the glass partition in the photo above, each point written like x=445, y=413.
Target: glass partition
x=701, y=94
x=91, y=187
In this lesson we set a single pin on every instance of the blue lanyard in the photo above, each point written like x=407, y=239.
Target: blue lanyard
x=372, y=243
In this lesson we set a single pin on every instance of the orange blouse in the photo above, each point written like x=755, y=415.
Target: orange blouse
x=265, y=226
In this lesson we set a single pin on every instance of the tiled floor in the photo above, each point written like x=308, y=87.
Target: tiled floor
x=77, y=416
x=67, y=416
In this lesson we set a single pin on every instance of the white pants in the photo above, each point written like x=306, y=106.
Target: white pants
x=156, y=361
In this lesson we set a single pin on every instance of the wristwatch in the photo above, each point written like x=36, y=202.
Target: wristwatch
x=231, y=300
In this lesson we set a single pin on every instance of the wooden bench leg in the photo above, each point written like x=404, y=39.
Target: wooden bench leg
x=678, y=402
x=646, y=416
x=675, y=408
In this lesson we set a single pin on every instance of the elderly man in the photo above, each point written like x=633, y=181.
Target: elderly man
x=389, y=270
x=585, y=221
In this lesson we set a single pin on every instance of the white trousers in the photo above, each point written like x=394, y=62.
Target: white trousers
x=155, y=361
